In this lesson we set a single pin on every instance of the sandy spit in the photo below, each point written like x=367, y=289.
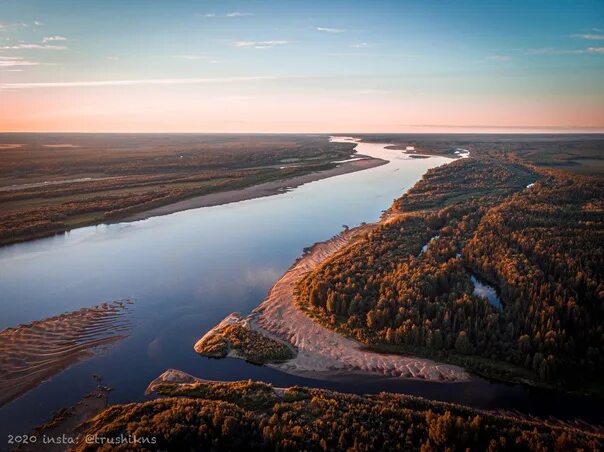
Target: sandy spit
x=256, y=191
x=322, y=352
x=32, y=353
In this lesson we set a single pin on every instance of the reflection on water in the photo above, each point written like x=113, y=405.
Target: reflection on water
x=187, y=271
x=489, y=293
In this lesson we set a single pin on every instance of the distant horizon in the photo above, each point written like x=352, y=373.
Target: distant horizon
x=585, y=131
x=263, y=66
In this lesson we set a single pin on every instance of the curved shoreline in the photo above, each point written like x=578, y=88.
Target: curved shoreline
x=321, y=352
x=259, y=190
x=256, y=191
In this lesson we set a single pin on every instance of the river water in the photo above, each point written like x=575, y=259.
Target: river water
x=190, y=269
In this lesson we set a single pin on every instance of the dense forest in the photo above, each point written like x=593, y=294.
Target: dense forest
x=535, y=234
x=245, y=342
x=255, y=416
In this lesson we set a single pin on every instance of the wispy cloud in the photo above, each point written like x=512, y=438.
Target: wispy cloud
x=589, y=36
x=331, y=30
x=369, y=54
x=238, y=14
x=5, y=26
x=160, y=81
x=359, y=45
x=230, y=14
x=501, y=58
x=554, y=51
x=205, y=58
x=27, y=46
x=54, y=38
x=16, y=61
x=113, y=58
x=35, y=23
x=261, y=44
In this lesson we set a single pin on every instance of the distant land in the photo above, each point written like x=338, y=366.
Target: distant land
x=506, y=216
x=51, y=183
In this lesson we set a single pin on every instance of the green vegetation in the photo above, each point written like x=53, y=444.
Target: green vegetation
x=43, y=191
x=541, y=247
x=254, y=416
x=251, y=345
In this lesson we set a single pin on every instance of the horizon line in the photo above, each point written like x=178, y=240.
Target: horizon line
x=521, y=131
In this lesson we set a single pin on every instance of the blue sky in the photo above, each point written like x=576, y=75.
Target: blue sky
x=251, y=65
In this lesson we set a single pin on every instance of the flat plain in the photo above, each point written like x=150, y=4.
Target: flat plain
x=51, y=183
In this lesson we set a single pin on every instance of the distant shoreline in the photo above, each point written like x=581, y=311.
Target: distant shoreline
x=214, y=199
x=255, y=191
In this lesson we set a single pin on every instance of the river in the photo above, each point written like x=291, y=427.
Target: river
x=188, y=270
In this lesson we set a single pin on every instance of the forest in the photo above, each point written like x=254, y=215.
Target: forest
x=251, y=345
x=535, y=234
x=251, y=416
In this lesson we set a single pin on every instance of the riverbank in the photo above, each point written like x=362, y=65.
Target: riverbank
x=254, y=415
x=258, y=190
x=166, y=206
x=321, y=352
x=94, y=179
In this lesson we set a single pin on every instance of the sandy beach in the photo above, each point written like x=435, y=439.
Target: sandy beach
x=259, y=190
x=322, y=352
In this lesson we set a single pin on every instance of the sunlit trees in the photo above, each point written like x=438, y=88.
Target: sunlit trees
x=252, y=416
x=407, y=285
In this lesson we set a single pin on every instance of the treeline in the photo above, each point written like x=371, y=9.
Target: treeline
x=253, y=416
x=540, y=246
x=249, y=344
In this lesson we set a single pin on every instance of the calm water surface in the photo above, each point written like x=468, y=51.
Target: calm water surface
x=188, y=270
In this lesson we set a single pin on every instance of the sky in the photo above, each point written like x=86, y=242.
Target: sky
x=301, y=66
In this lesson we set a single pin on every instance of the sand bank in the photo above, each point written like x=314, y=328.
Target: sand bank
x=322, y=352
x=256, y=191
x=32, y=353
